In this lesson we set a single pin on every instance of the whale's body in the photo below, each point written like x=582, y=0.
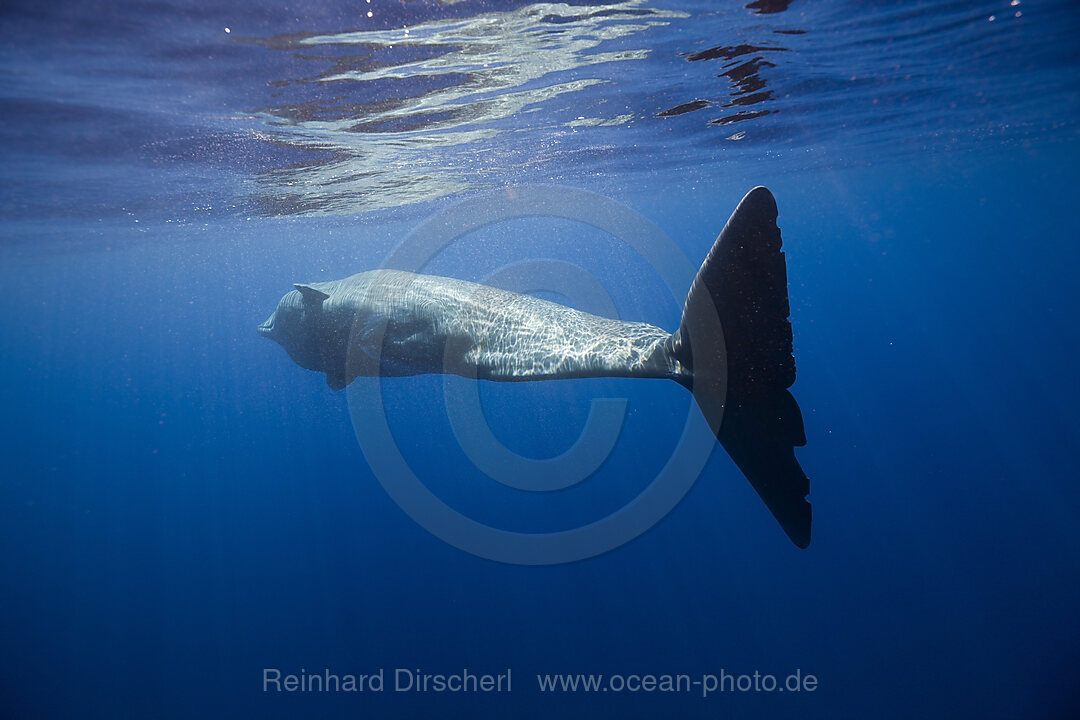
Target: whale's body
x=733, y=348
x=393, y=323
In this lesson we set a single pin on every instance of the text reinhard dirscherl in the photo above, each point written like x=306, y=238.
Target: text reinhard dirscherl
x=402, y=679
x=467, y=681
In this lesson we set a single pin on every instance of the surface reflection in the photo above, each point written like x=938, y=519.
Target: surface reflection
x=746, y=85
x=409, y=114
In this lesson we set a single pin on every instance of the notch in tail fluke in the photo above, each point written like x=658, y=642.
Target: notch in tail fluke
x=741, y=375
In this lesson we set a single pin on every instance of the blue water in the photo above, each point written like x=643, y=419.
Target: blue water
x=183, y=508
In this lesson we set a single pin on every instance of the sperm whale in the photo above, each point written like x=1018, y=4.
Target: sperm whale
x=732, y=349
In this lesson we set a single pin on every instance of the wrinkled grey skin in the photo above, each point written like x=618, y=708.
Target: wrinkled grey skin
x=393, y=323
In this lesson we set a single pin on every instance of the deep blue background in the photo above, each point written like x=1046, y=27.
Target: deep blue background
x=181, y=506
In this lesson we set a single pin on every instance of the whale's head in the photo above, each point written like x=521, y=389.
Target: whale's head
x=297, y=326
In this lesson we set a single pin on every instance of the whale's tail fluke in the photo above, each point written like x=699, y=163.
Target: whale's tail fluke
x=741, y=373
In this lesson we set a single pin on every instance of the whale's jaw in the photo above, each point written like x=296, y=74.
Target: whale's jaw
x=266, y=328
